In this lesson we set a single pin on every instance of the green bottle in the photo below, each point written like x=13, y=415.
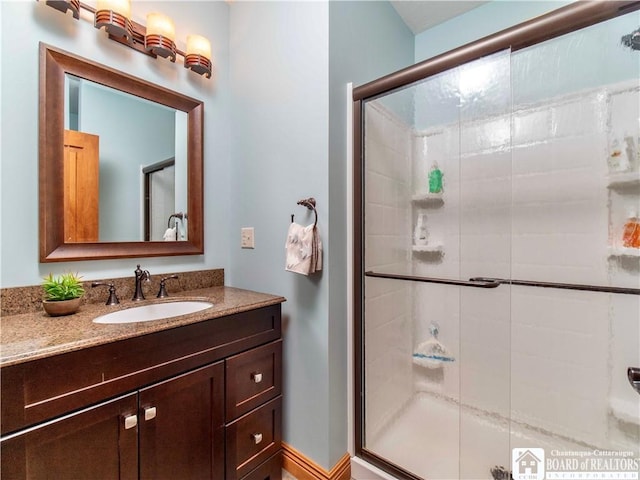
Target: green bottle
x=435, y=179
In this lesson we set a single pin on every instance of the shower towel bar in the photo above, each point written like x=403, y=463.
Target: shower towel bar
x=485, y=282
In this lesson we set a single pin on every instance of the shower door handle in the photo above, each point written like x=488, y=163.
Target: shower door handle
x=633, y=373
x=473, y=282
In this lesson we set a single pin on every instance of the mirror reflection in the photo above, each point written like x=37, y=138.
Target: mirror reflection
x=125, y=166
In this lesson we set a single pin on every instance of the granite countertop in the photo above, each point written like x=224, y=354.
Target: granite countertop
x=30, y=336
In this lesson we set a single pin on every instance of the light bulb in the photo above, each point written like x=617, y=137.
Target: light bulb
x=123, y=7
x=159, y=24
x=198, y=45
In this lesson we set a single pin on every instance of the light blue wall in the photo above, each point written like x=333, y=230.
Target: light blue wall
x=23, y=25
x=290, y=63
x=279, y=80
x=477, y=23
x=367, y=39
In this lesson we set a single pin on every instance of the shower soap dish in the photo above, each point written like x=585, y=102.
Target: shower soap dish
x=432, y=353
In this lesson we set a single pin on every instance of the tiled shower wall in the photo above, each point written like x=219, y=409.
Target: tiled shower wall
x=560, y=339
x=525, y=197
x=533, y=205
x=388, y=329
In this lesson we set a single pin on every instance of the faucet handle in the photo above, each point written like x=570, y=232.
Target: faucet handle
x=113, y=298
x=163, y=289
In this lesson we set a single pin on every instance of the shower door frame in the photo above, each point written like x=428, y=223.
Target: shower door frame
x=545, y=27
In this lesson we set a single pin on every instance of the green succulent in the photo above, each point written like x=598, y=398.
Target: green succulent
x=62, y=287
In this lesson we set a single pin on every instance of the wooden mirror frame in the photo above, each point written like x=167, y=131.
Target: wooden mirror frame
x=54, y=64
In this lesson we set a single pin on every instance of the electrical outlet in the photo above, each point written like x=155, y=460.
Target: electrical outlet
x=246, y=238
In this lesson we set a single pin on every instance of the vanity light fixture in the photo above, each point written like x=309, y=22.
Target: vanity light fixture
x=198, y=55
x=155, y=39
x=160, y=36
x=114, y=16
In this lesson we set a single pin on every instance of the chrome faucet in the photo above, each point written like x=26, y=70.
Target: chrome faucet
x=140, y=276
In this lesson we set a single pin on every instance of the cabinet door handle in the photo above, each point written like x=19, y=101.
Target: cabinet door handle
x=257, y=438
x=149, y=413
x=256, y=377
x=130, y=421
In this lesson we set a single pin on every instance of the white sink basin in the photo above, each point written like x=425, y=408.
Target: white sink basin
x=155, y=311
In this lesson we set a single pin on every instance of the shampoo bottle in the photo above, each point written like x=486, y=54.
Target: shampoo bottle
x=420, y=235
x=435, y=179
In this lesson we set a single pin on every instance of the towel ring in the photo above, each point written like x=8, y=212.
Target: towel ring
x=179, y=215
x=310, y=203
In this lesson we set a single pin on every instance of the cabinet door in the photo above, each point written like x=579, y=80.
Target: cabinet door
x=99, y=442
x=181, y=426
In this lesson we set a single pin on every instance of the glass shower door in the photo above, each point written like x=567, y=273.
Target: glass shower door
x=436, y=213
x=501, y=289
x=576, y=114
x=485, y=251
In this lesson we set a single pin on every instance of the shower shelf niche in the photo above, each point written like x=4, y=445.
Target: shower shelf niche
x=434, y=199
x=435, y=248
x=623, y=252
x=622, y=180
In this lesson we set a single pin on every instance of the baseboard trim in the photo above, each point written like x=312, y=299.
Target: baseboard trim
x=303, y=468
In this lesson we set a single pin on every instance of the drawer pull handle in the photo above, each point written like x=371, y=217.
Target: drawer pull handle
x=130, y=421
x=149, y=413
x=257, y=438
x=256, y=377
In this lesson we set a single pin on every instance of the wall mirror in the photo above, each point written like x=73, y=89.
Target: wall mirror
x=120, y=163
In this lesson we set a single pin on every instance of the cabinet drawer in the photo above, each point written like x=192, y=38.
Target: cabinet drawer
x=253, y=438
x=253, y=377
x=269, y=470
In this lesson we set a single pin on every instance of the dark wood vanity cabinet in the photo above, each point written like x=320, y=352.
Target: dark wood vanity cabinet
x=181, y=429
x=217, y=415
x=90, y=444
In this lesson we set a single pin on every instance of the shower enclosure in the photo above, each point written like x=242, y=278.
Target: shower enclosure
x=497, y=269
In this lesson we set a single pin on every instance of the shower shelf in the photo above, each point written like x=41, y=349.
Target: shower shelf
x=624, y=252
x=428, y=198
x=437, y=248
x=620, y=180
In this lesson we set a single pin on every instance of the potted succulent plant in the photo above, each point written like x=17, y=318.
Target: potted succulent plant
x=62, y=294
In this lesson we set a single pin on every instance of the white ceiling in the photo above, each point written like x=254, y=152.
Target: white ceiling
x=420, y=15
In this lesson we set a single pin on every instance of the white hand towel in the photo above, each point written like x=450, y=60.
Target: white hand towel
x=169, y=235
x=303, y=249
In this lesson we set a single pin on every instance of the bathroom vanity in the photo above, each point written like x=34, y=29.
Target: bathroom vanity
x=193, y=397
